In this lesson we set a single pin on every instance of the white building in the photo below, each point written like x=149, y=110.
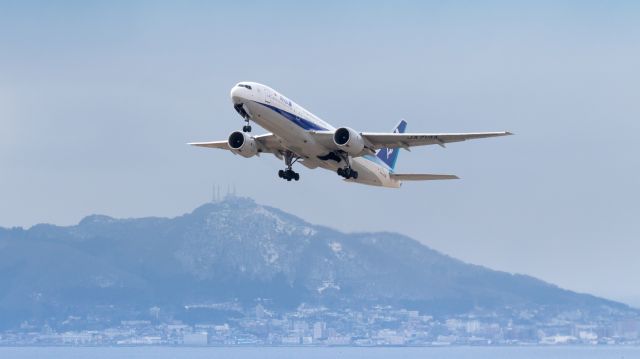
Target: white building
x=199, y=338
x=319, y=329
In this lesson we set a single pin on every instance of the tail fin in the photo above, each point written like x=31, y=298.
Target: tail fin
x=390, y=155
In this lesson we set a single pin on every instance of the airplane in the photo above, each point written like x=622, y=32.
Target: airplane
x=298, y=135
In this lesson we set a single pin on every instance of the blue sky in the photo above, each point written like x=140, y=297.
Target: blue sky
x=97, y=101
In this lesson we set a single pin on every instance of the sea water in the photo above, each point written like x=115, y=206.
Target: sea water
x=563, y=352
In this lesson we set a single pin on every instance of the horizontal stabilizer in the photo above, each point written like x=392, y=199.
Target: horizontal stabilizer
x=422, y=177
x=214, y=144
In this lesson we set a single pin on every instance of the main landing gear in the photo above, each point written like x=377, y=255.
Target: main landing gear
x=289, y=174
x=348, y=173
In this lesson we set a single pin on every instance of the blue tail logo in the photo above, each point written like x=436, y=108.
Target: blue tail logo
x=390, y=155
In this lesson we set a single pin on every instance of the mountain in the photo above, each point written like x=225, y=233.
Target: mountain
x=238, y=252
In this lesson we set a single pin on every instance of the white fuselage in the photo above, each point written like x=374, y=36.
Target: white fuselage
x=291, y=124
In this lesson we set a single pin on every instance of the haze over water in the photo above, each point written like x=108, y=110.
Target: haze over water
x=321, y=353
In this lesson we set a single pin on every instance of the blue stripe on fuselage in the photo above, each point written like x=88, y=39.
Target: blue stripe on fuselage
x=304, y=123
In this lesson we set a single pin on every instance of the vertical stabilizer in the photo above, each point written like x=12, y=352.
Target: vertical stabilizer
x=390, y=155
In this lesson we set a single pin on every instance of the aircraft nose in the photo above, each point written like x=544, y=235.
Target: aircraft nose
x=242, y=91
x=236, y=94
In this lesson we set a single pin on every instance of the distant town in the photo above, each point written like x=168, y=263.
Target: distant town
x=319, y=326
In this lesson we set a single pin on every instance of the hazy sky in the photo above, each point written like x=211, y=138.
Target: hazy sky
x=97, y=102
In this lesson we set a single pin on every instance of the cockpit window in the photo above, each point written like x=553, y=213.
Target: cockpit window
x=245, y=86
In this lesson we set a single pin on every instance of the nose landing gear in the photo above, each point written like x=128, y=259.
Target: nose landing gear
x=239, y=107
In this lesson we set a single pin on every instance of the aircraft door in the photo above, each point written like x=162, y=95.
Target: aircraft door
x=268, y=95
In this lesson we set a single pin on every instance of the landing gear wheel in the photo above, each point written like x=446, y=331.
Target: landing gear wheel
x=281, y=173
x=246, y=128
x=290, y=175
x=347, y=173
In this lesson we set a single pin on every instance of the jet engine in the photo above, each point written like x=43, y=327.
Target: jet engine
x=242, y=144
x=348, y=140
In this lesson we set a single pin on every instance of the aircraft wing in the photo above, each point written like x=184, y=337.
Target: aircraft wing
x=266, y=143
x=214, y=144
x=406, y=140
x=375, y=141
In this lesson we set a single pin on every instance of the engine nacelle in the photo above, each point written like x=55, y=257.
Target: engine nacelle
x=348, y=140
x=242, y=144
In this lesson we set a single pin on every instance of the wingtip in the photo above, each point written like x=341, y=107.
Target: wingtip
x=509, y=133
